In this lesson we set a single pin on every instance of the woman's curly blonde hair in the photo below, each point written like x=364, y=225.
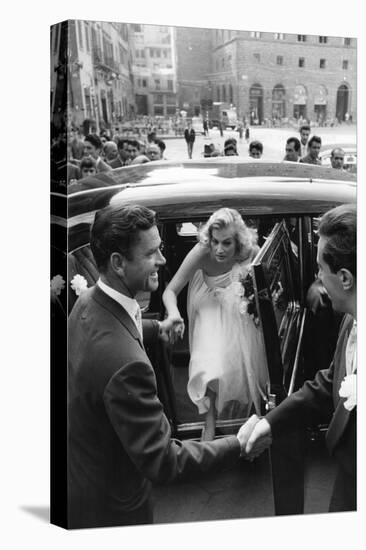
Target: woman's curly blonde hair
x=245, y=237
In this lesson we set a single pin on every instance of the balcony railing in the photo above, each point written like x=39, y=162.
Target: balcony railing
x=104, y=61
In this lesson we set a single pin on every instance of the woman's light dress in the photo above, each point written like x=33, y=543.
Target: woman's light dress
x=227, y=350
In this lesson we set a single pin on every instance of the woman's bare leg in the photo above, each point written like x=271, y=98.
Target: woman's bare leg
x=208, y=432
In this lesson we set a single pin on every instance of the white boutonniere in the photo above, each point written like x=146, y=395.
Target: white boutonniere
x=348, y=390
x=57, y=285
x=78, y=284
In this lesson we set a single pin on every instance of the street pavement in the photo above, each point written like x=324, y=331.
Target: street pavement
x=273, y=139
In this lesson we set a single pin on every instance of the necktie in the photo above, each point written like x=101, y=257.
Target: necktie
x=351, y=351
x=138, y=319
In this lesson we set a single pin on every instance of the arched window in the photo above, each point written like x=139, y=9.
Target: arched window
x=278, y=102
x=223, y=93
x=231, y=95
x=218, y=93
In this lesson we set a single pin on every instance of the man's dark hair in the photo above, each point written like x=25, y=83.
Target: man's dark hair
x=230, y=141
x=314, y=139
x=305, y=127
x=116, y=229
x=339, y=227
x=296, y=142
x=256, y=145
x=161, y=144
x=134, y=143
x=88, y=162
x=121, y=142
x=94, y=140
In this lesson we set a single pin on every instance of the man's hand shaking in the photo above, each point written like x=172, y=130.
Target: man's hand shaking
x=254, y=437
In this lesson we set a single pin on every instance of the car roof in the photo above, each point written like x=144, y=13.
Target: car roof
x=185, y=191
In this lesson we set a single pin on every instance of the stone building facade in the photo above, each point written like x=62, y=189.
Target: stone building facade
x=270, y=76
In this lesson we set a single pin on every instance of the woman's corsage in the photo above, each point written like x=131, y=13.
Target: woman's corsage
x=78, y=284
x=348, y=390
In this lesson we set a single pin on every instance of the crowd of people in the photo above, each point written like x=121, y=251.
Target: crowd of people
x=78, y=156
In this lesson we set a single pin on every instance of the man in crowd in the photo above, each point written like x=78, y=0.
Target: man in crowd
x=122, y=157
x=161, y=144
x=153, y=152
x=119, y=438
x=293, y=149
x=133, y=150
x=93, y=148
x=255, y=149
x=337, y=158
x=313, y=151
x=110, y=151
x=331, y=396
x=304, y=138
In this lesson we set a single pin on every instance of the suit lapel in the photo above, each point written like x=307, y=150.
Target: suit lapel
x=118, y=311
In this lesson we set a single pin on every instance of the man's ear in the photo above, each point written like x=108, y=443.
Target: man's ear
x=346, y=278
x=117, y=263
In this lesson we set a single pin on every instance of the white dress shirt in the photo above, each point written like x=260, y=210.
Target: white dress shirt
x=129, y=304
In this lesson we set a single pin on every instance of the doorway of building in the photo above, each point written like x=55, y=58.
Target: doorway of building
x=342, y=102
x=256, y=104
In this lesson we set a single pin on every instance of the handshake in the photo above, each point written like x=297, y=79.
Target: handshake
x=254, y=437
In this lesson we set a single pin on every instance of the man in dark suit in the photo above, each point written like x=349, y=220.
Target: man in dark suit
x=331, y=396
x=189, y=136
x=122, y=158
x=119, y=438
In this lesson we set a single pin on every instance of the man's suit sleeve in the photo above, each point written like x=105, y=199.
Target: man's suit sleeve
x=139, y=421
x=314, y=401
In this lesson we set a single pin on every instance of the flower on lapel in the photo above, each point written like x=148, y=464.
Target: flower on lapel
x=57, y=285
x=348, y=390
x=79, y=284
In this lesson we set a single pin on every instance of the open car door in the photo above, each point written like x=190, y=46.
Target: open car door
x=276, y=276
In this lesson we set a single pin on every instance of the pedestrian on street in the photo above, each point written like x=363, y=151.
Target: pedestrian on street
x=221, y=129
x=247, y=133
x=189, y=136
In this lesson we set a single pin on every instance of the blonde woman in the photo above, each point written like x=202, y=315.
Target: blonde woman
x=227, y=365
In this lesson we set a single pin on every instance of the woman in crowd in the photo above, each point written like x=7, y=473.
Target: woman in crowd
x=227, y=366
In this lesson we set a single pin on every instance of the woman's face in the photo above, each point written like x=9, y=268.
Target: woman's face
x=223, y=244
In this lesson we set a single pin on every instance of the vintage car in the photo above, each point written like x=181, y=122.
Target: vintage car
x=283, y=201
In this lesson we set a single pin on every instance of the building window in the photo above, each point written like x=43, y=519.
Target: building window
x=301, y=37
x=144, y=83
x=345, y=64
x=170, y=85
x=217, y=64
x=158, y=53
x=151, y=52
x=255, y=34
x=87, y=41
x=136, y=28
x=322, y=64
x=142, y=53
x=257, y=57
x=137, y=53
x=229, y=59
x=279, y=60
x=165, y=53
x=346, y=41
x=301, y=61
x=157, y=84
x=323, y=39
x=81, y=45
x=223, y=62
x=279, y=36
x=56, y=36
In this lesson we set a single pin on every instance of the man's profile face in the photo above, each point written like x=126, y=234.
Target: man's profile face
x=304, y=135
x=291, y=153
x=141, y=271
x=314, y=149
x=331, y=281
x=337, y=159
